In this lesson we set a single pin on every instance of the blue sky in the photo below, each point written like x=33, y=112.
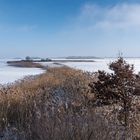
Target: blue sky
x=55, y=28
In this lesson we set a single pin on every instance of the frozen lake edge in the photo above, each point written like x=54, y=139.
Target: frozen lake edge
x=9, y=74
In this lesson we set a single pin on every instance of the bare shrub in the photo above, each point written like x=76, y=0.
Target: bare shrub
x=55, y=106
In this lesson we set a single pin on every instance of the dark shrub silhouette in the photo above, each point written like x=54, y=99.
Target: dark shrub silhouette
x=117, y=87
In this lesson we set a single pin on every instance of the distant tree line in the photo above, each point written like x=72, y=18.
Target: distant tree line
x=28, y=58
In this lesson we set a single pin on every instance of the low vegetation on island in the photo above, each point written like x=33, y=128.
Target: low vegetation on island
x=69, y=104
x=35, y=62
x=25, y=64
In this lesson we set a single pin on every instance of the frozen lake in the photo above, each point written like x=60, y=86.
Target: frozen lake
x=101, y=64
x=9, y=74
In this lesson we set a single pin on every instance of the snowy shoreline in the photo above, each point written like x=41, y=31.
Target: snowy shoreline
x=10, y=74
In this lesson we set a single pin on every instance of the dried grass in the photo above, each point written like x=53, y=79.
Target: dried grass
x=56, y=105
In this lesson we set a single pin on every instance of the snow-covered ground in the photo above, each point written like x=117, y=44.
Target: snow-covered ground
x=9, y=74
x=89, y=66
x=101, y=64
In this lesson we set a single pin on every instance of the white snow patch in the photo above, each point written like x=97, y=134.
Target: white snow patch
x=9, y=74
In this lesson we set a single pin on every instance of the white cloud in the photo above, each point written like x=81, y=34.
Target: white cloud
x=102, y=30
x=122, y=16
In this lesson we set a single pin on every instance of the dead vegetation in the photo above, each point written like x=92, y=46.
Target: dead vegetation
x=60, y=105
x=25, y=64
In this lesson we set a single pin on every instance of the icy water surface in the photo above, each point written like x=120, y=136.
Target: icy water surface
x=102, y=64
x=9, y=74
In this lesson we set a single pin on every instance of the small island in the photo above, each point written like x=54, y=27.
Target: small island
x=35, y=62
x=23, y=63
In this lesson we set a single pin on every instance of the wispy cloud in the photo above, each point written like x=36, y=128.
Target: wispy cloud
x=121, y=16
x=97, y=28
x=4, y=29
x=17, y=28
x=26, y=28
